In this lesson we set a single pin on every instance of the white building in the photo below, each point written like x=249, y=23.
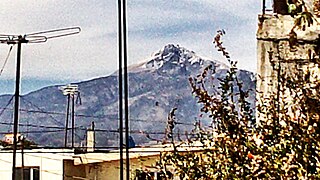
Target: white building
x=65, y=164
x=38, y=163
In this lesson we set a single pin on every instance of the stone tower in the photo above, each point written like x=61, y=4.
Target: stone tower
x=281, y=45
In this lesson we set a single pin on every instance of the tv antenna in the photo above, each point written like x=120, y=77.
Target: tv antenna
x=70, y=90
x=37, y=37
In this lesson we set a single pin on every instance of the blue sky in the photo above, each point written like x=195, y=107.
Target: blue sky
x=93, y=53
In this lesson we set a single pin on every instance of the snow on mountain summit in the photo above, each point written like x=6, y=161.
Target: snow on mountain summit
x=171, y=56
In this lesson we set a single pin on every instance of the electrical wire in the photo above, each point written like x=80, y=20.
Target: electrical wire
x=9, y=102
x=78, y=128
x=34, y=132
x=54, y=119
x=104, y=150
x=6, y=60
x=62, y=154
x=58, y=129
x=33, y=125
x=66, y=176
x=56, y=159
x=9, y=162
x=110, y=117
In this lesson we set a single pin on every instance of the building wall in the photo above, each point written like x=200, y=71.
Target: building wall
x=273, y=37
x=111, y=170
x=50, y=165
x=71, y=171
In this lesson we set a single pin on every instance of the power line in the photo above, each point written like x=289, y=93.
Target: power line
x=110, y=117
x=78, y=128
x=33, y=125
x=81, y=128
x=55, y=120
x=9, y=102
x=61, y=128
x=34, y=132
x=108, y=150
x=6, y=60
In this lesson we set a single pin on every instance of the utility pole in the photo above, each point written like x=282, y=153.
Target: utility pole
x=123, y=56
x=38, y=37
x=263, y=7
x=120, y=88
x=126, y=87
x=16, y=103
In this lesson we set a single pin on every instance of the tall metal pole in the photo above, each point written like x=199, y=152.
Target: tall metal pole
x=120, y=88
x=126, y=89
x=264, y=7
x=67, y=121
x=72, y=121
x=22, y=157
x=16, y=106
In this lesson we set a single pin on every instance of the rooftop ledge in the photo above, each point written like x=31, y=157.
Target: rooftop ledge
x=277, y=26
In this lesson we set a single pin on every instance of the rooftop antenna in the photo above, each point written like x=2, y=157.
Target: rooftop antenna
x=70, y=90
x=37, y=37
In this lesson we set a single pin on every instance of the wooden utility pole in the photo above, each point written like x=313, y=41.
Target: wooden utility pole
x=16, y=104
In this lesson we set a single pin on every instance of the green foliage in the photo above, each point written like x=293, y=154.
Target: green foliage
x=219, y=152
x=284, y=144
x=3, y=143
x=303, y=20
x=141, y=175
x=289, y=126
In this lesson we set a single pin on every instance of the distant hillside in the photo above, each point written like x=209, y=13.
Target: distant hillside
x=155, y=87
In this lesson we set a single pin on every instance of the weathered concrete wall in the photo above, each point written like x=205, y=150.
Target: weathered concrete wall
x=275, y=44
x=273, y=36
x=71, y=171
x=110, y=170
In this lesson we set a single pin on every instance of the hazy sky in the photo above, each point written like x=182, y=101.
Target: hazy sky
x=93, y=53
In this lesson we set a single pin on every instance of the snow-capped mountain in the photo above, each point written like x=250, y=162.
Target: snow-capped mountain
x=173, y=56
x=155, y=87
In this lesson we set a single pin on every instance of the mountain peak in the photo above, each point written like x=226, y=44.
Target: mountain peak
x=174, y=58
x=173, y=54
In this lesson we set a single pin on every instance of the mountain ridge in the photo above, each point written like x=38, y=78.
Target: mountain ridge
x=155, y=87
